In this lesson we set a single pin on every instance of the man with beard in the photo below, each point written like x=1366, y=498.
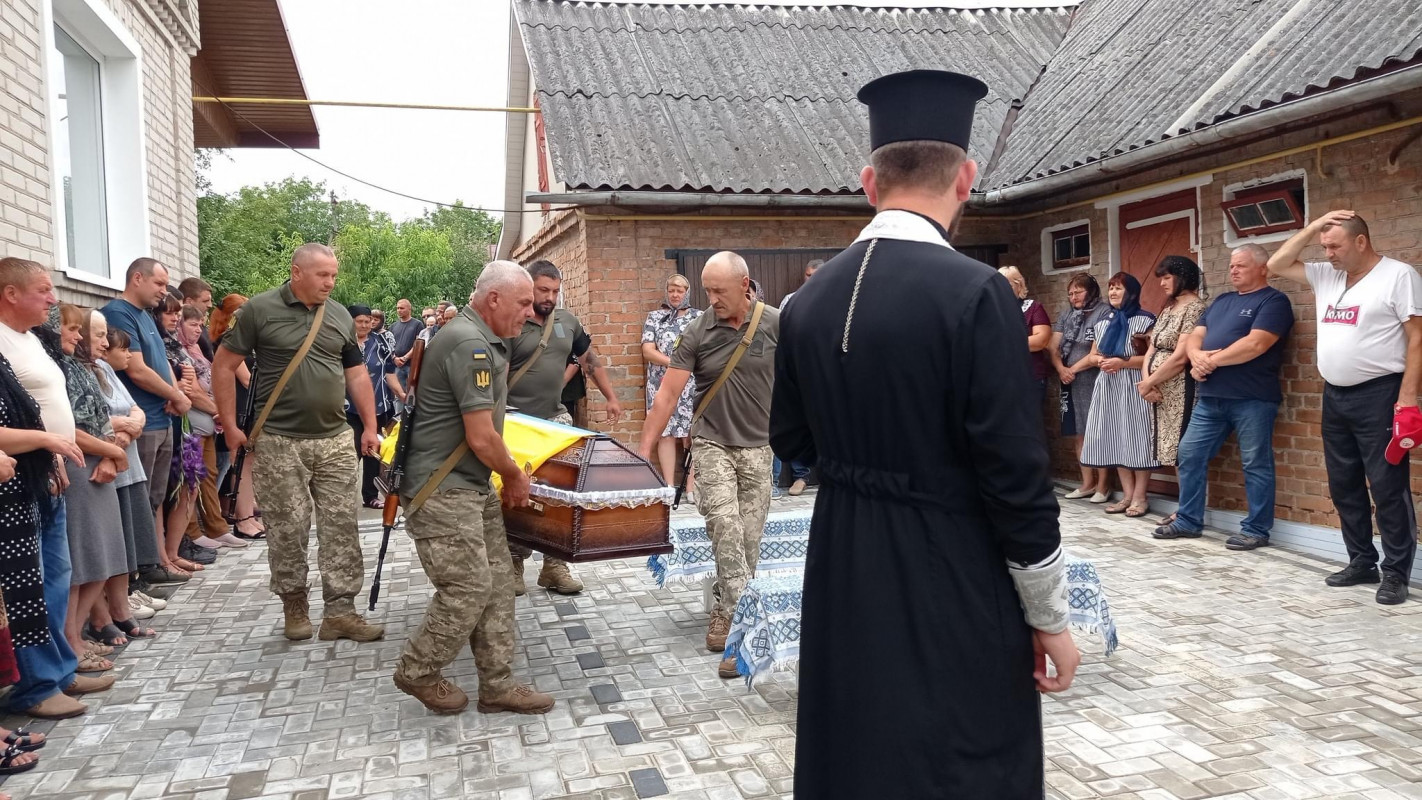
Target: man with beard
x=935, y=542
x=537, y=360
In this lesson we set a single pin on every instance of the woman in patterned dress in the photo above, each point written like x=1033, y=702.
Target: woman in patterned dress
x=1118, y=430
x=1167, y=384
x=659, y=335
x=1075, y=332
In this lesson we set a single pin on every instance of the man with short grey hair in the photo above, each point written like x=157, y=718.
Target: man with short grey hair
x=304, y=461
x=1235, y=354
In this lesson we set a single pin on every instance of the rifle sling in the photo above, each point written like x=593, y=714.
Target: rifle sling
x=542, y=345
x=286, y=374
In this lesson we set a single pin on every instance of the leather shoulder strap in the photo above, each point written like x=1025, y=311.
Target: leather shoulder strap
x=542, y=345
x=287, y=373
x=435, y=479
x=730, y=364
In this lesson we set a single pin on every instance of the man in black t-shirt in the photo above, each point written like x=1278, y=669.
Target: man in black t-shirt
x=407, y=332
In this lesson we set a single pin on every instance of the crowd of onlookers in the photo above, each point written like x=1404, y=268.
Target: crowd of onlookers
x=1140, y=391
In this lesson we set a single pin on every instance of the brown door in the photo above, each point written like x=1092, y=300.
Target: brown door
x=1151, y=230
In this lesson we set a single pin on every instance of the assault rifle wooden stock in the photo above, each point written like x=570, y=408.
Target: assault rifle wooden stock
x=227, y=497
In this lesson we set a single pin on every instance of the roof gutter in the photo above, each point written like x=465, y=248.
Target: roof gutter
x=1364, y=91
x=857, y=202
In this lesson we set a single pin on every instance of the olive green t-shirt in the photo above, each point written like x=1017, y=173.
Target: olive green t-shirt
x=539, y=393
x=465, y=369
x=739, y=414
x=272, y=326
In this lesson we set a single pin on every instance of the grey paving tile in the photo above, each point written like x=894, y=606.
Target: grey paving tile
x=648, y=783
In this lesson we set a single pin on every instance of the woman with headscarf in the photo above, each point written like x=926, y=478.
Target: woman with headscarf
x=96, y=545
x=660, y=333
x=1118, y=430
x=1070, y=354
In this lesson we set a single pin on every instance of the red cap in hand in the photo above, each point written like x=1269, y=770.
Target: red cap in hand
x=1406, y=433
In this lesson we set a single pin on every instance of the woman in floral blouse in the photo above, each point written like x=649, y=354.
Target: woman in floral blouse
x=659, y=335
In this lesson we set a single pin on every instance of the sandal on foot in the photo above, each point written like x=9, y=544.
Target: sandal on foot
x=109, y=635
x=1166, y=520
x=133, y=630
x=93, y=647
x=24, y=740
x=1138, y=511
x=188, y=566
x=1116, y=508
x=92, y=663
x=13, y=754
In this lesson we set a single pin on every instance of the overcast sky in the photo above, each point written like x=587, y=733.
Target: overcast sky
x=451, y=52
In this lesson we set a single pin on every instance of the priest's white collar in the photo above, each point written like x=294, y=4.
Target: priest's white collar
x=904, y=226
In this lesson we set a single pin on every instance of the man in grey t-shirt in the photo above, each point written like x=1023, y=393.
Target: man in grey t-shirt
x=731, y=440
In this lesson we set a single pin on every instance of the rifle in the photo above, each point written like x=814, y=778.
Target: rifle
x=392, y=480
x=681, y=484
x=227, y=496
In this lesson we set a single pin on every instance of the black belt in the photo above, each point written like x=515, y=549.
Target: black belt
x=882, y=484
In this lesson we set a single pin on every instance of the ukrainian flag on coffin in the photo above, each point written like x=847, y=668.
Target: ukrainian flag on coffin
x=531, y=440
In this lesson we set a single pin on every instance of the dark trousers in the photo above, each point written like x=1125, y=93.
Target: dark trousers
x=369, y=465
x=1357, y=426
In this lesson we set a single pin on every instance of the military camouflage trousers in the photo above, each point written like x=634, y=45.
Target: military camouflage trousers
x=733, y=494
x=459, y=535
x=518, y=550
x=293, y=477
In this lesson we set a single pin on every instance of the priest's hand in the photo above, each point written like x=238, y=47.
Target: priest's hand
x=1062, y=650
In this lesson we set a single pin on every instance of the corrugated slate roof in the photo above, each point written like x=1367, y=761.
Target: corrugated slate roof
x=1128, y=69
x=753, y=98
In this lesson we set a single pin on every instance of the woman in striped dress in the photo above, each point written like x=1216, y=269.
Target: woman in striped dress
x=1118, y=429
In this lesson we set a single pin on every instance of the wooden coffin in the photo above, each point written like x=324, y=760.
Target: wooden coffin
x=574, y=533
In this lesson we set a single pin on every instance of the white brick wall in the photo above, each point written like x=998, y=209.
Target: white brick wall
x=26, y=211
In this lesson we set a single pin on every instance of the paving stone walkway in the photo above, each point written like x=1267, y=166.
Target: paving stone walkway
x=1240, y=675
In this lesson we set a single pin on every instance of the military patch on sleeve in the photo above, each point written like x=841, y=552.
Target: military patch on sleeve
x=482, y=370
x=676, y=342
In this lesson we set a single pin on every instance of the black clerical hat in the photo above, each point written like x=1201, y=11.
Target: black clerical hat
x=919, y=104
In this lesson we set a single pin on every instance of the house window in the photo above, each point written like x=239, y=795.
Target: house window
x=1269, y=208
x=1066, y=247
x=77, y=101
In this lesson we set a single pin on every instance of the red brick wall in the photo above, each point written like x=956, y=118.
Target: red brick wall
x=1354, y=175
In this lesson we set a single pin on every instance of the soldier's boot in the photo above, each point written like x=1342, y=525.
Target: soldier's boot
x=727, y=668
x=297, y=611
x=518, y=699
x=350, y=626
x=519, y=586
x=440, y=697
x=555, y=577
x=716, y=632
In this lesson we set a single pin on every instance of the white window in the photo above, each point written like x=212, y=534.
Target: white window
x=97, y=158
x=1066, y=247
x=1266, y=210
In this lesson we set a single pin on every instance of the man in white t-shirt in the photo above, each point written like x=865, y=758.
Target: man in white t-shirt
x=1369, y=312
x=47, y=669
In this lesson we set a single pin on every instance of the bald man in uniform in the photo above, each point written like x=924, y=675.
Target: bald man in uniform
x=731, y=440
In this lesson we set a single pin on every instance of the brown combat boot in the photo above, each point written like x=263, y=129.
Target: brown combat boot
x=350, y=626
x=519, y=586
x=555, y=577
x=297, y=611
x=441, y=697
x=727, y=668
x=716, y=633
x=518, y=699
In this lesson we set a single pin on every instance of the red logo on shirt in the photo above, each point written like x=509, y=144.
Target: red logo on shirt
x=1341, y=316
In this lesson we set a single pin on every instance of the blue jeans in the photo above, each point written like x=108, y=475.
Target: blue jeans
x=48, y=669
x=798, y=470
x=1210, y=424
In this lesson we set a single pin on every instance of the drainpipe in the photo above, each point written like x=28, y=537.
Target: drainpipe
x=855, y=202
x=1372, y=89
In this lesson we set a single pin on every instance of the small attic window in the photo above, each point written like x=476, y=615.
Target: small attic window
x=1071, y=247
x=1268, y=208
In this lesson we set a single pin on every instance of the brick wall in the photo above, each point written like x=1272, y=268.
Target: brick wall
x=1353, y=175
x=26, y=210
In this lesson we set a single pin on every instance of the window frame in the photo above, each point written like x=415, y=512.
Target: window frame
x=1257, y=199
x=1260, y=190
x=1052, y=234
x=96, y=29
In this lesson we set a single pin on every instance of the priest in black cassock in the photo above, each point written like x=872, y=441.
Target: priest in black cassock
x=935, y=582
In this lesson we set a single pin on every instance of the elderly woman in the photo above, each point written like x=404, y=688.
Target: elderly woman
x=1071, y=357
x=1167, y=384
x=380, y=367
x=659, y=335
x=1039, y=329
x=1118, y=428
